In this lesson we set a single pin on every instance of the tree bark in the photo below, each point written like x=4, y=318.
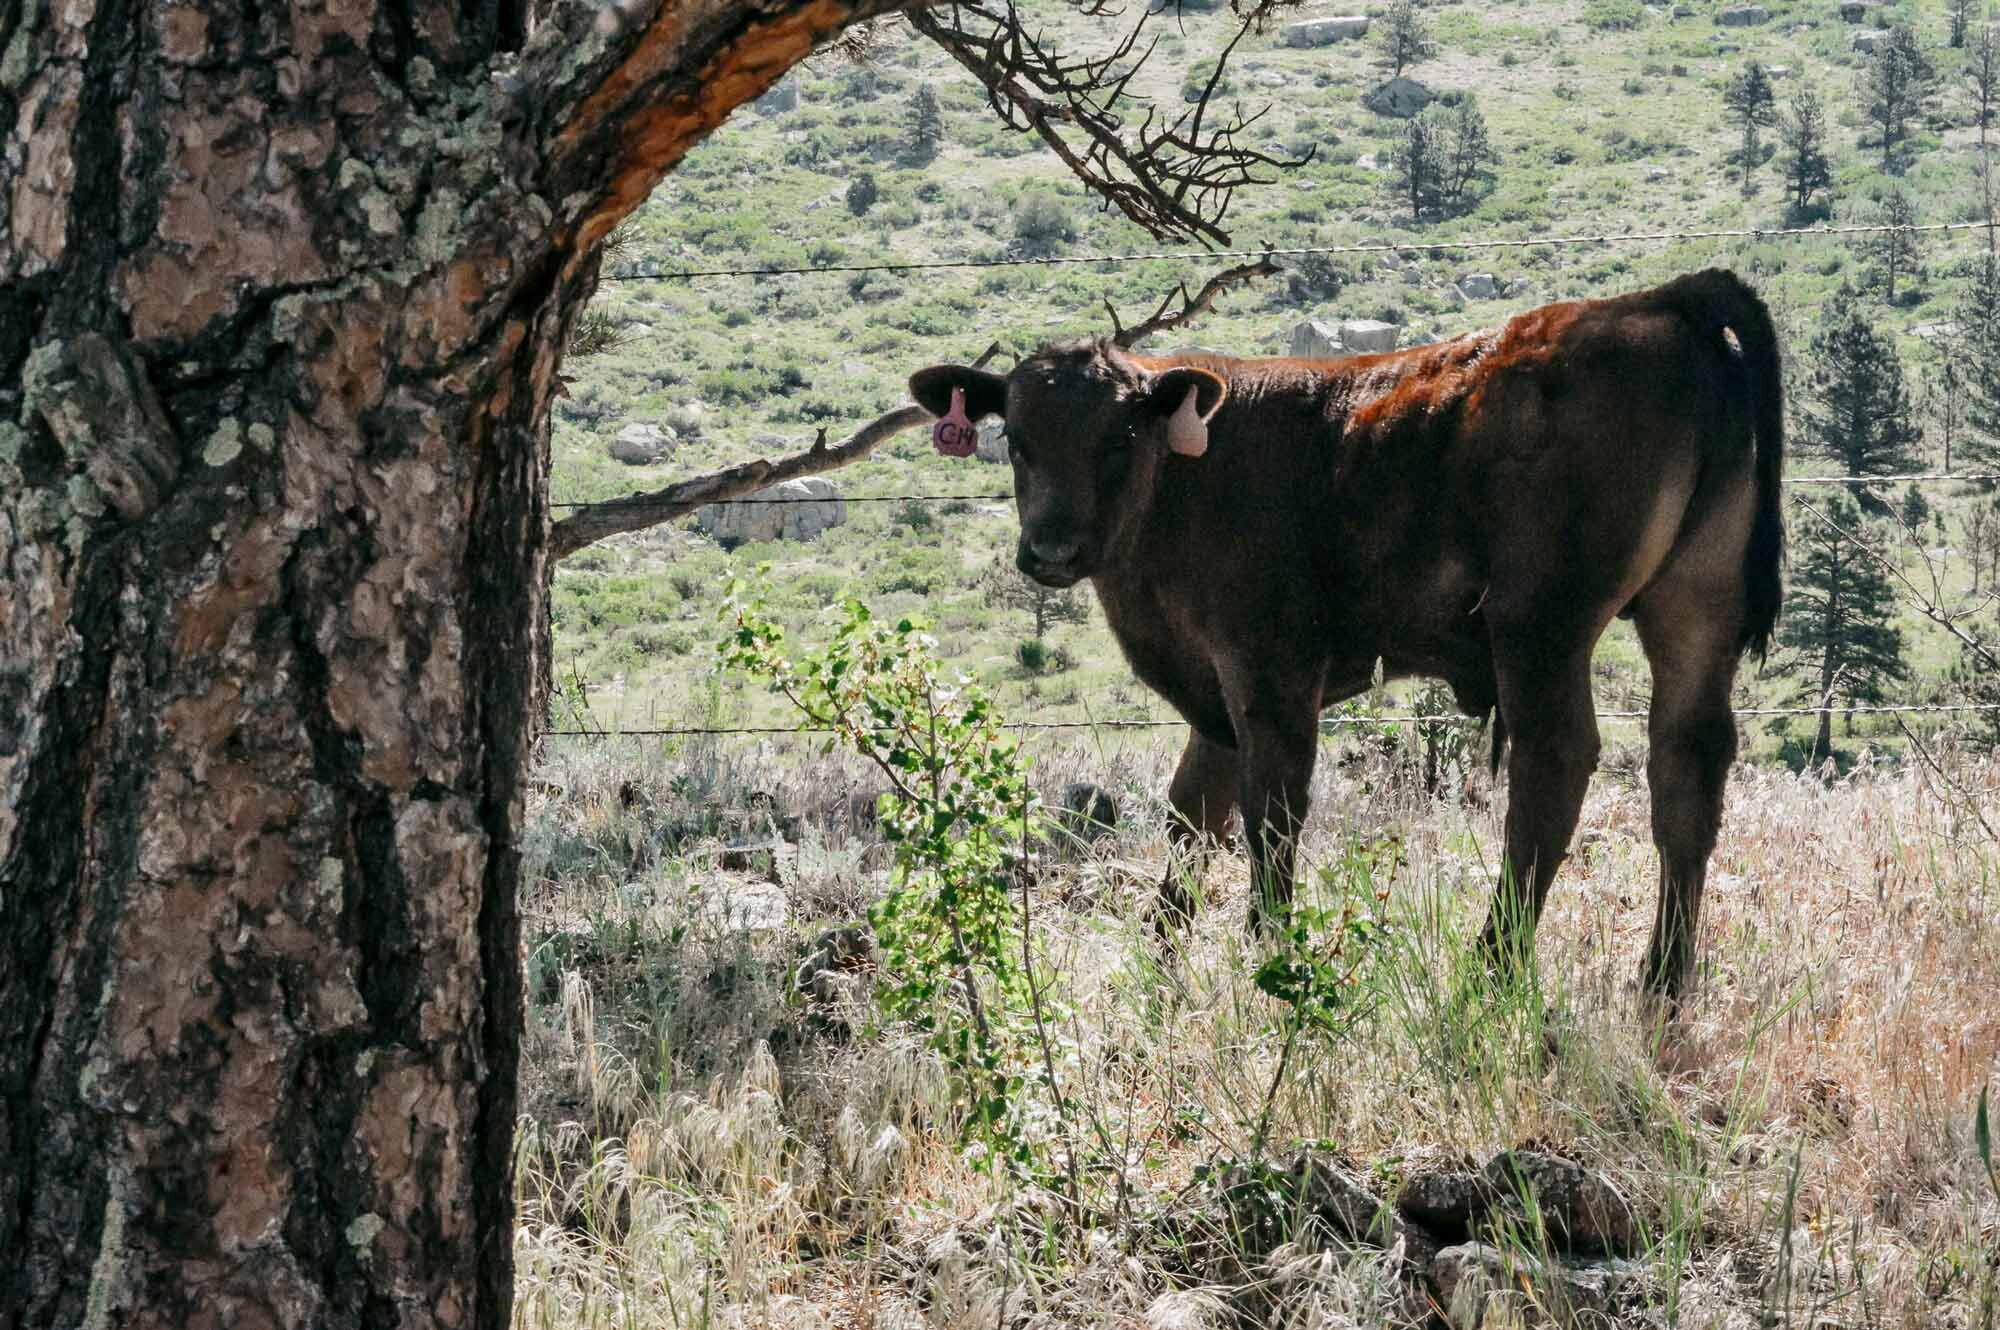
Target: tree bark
x=281, y=296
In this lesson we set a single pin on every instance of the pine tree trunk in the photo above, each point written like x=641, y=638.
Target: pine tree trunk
x=281, y=292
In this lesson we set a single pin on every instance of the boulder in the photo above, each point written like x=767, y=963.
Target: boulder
x=1858, y=11
x=687, y=419
x=1743, y=16
x=1683, y=11
x=643, y=445
x=1313, y=338
x=1582, y=1210
x=992, y=444
x=1087, y=811
x=1657, y=173
x=1325, y=31
x=1365, y=335
x=1518, y=288
x=789, y=510
x=1871, y=41
x=1778, y=71
x=1479, y=285
x=1367, y=161
x=1479, y=1285
x=1400, y=97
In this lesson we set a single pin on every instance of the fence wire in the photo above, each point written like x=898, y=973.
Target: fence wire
x=1372, y=247
x=1926, y=477
x=1327, y=724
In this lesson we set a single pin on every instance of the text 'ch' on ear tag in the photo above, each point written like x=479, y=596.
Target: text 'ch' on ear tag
x=954, y=435
x=1187, y=432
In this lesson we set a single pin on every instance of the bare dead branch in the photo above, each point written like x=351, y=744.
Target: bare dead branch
x=1173, y=177
x=1960, y=799
x=589, y=524
x=1192, y=307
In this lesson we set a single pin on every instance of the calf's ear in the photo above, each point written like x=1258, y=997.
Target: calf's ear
x=1189, y=398
x=985, y=394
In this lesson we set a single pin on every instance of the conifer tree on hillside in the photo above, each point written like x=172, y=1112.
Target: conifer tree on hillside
x=1406, y=38
x=1045, y=606
x=1444, y=159
x=1895, y=253
x=1838, y=618
x=1752, y=106
x=926, y=129
x=1959, y=15
x=1856, y=408
x=1894, y=83
x=1808, y=169
x=1977, y=351
x=1944, y=402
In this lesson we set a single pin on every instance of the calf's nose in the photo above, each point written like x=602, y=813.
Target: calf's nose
x=1053, y=553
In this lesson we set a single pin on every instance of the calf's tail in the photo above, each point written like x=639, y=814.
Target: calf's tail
x=1714, y=300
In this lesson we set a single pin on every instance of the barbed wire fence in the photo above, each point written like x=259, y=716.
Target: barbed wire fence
x=1334, y=723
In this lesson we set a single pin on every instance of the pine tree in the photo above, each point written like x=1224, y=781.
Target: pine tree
x=1752, y=106
x=1406, y=38
x=1894, y=84
x=1444, y=160
x=1045, y=606
x=1856, y=407
x=926, y=134
x=1808, y=170
x=1944, y=399
x=1960, y=13
x=1838, y=619
x=1418, y=161
x=1977, y=349
x=1896, y=252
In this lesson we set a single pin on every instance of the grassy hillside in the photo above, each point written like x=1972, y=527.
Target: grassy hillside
x=1608, y=117
x=723, y=1128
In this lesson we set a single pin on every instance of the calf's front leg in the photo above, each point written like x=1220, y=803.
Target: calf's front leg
x=1202, y=794
x=1278, y=744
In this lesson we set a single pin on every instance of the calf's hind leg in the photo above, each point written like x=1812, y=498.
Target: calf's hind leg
x=1204, y=789
x=1552, y=731
x=1693, y=741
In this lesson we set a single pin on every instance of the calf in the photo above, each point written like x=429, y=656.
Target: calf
x=1261, y=532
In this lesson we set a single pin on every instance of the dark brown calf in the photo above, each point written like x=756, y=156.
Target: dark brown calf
x=1260, y=532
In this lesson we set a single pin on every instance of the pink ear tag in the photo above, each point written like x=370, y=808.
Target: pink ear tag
x=1187, y=432
x=954, y=435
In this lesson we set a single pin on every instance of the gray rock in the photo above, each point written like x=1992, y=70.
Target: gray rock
x=803, y=510
x=1312, y=339
x=1270, y=78
x=1400, y=97
x=687, y=419
x=1480, y=1286
x=1871, y=41
x=992, y=445
x=1449, y=1202
x=1367, y=161
x=1948, y=328
x=1657, y=173
x=1683, y=11
x=1479, y=285
x=1518, y=288
x=1743, y=16
x=1087, y=811
x=1778, y=71
x=1582, y=1210
x=1325, y=31
x=1265, y=1210
x=1366, y=335
x=643, y=445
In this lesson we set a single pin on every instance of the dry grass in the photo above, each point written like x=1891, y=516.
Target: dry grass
x=699, y=1149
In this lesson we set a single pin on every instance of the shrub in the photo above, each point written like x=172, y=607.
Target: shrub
x=1042, y=226
x=862, y=193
